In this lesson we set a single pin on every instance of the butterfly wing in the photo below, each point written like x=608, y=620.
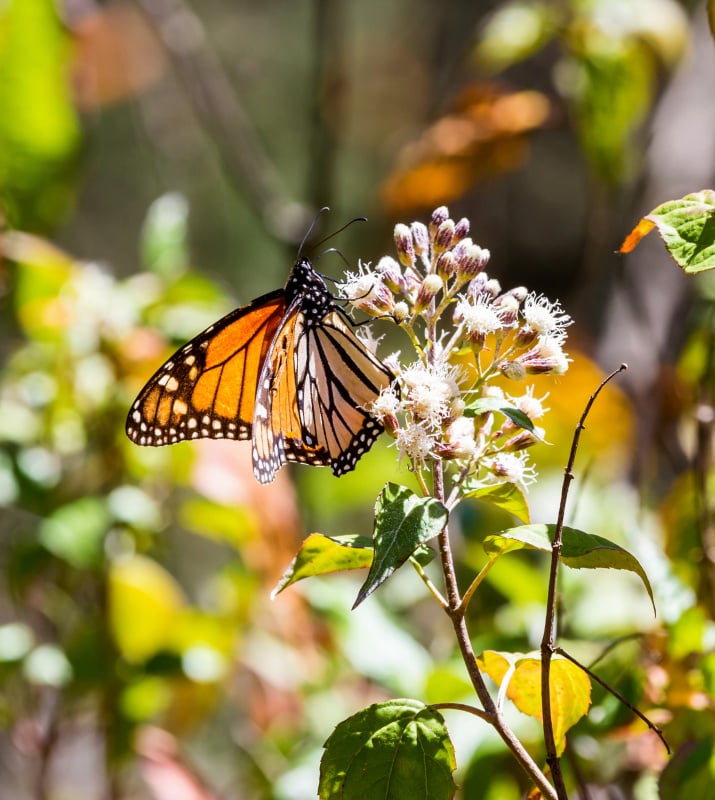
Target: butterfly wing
x=207, y=389
x=315, y=385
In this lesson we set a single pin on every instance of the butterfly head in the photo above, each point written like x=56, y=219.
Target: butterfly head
x=307, y=287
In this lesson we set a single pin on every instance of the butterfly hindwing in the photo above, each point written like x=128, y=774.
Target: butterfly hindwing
x=207, y=389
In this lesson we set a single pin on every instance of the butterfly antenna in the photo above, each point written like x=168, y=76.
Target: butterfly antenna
x=339, y=230
x=311, y=228
x=331, y=250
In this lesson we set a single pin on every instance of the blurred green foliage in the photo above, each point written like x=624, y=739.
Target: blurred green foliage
x=135, y=583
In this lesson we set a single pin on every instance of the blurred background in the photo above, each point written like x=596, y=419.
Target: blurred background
x=160, y=161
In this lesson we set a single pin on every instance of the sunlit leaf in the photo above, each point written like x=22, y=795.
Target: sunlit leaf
x=39, y=130
x=506, y=496
x=687, y=228
x=570, y=688
x=164, y=235
x=611, y=82
x=75, y=532
x=579, y=550
x=397, y=749
x=515, y=31
x=485, y=404
x=320, y=555
x=222, y=523
x=403, y=521
x=144, y=605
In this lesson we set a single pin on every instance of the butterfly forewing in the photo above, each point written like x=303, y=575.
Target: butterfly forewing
x=286, y=371
x=207, y=388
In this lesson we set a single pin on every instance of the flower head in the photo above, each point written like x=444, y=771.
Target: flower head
x=513, y=468
x=543, y=316
x=415, y=442
x=365, y=290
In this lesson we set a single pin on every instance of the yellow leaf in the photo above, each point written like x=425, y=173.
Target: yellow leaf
x=144, y=605
x=570, y=688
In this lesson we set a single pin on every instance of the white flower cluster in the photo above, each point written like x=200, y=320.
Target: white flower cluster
x=433, y=411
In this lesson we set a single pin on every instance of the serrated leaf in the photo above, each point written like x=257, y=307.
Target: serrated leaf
x=579, y=550
x=320, y=555
x=570, y=688
x=390, y=750
x=687, y=228
x=506, y=496
x=403, y=521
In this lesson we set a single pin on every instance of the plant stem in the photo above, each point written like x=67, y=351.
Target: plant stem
x=549, y=636
x=456, y=614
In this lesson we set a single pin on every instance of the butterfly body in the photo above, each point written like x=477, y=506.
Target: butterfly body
x=285, y=371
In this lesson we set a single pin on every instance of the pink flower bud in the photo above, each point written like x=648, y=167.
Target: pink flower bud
x=446, y=265
x=439, y=215
x=443, y=237
x=420, y=238
x=404, y=245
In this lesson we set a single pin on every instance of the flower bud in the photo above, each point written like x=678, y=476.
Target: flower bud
x=525, y=336
x=443, y=237
x=411, y=284
x=493, y=287
x=513, y=370
x=439, y=215
x=477, y=286
x=446, y=265
x=400, y=312
x=430, y=286
x=521, y=441
x=461, y=230
x=474, y=260
x=404, y=245
x=508, y=308
x=420, y=238
x=389, y=271
x=519, y=292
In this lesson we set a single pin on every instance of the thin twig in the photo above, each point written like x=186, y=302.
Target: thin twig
x=617, y=695
x=463, y=707
x=547, y=642
x=222, y=117
x=434, y=591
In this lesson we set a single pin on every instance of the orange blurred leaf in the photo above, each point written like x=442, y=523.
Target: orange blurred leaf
x=116, y=56
x=483, y=135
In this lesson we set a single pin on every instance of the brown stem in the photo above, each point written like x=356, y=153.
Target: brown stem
x=617, y=695
x=456, y=615
x=549, y=637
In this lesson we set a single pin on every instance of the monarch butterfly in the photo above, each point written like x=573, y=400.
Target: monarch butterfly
x=285, y=371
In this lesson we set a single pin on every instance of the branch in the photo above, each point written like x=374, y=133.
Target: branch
x=547, y=642
x=617, y=695
x=222, y=117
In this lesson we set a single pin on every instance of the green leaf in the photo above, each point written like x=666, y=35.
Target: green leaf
x=320, y=555
x=579, y=550
x=39, y=129
x=403, y=521
x=570, y=687
x=484, y=405
x=687, y=228
x=164, y=235
x=690, y=772
x=513, y=32
x=506, y=496
x=75, y=532
x=393, y=750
